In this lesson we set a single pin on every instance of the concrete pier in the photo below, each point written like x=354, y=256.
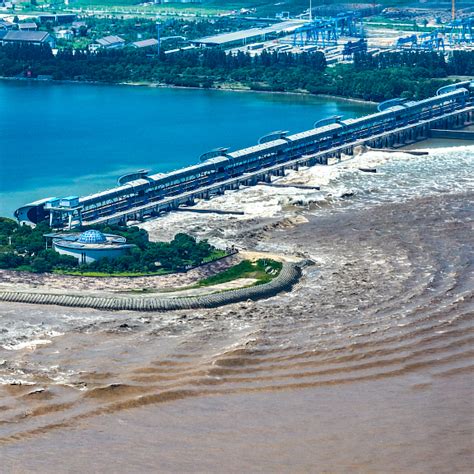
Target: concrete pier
x=453, y=134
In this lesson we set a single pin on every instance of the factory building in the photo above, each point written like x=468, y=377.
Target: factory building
x=36, y=38
x=29, y=26
x=147, y=43
x=109, y=42
x=6, y=25
x=243, y=37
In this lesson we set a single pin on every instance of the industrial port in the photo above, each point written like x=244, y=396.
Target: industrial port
x=337, y=30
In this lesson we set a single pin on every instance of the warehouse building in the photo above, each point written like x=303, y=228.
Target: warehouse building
x=147, y=43
x=29, y=26
x=252, y=35
x=36, y=38
x=109, y=42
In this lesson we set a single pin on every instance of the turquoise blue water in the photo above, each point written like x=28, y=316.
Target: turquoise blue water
x=62, y=139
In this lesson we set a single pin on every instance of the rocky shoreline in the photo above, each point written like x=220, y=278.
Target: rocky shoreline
x=287, y=277
x=64, y=284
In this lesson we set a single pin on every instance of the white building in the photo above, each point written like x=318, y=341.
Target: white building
x=91, y=245
x=27, y=37
x=64, y=34
x=147, y=43
x=108, y=42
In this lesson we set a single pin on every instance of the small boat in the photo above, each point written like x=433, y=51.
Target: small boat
x=368, y=170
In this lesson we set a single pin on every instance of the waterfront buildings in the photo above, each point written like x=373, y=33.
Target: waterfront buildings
x=109, y=42
x=35, y=38
x=147, y=43
x=252, y=35
x=30, y=26
x=90, y=246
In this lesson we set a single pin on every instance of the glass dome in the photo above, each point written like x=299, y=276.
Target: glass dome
x=92, y=237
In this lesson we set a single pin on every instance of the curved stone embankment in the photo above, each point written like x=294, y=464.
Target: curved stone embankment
x=287, y=277
x=69, y=284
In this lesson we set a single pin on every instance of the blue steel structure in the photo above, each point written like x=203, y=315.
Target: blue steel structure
x=349, y=24
x=326, y=31
x=352, y=47
x=411, y=41
x=427, y=41
x=223, y=166
x=460, y=31
x=456, y=32
x=431, y=41
x=319, y=32
x=158, y=38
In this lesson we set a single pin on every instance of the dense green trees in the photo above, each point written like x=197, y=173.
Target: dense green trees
x=410, y=74
x=387, y=75
x=199, y=68
x=433, y=63
x=132, y=29
x=23, y=248
x=181, y=253
x=462, y=63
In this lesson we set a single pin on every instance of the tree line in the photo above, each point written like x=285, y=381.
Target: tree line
x=24, y=248
x=414, y=75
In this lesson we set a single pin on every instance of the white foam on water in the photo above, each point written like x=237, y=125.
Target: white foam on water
x=10, y=380
x=399, y=176
x=29, y=337
x=31, y=345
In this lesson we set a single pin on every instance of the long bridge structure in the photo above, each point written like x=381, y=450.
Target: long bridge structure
x=396, y=123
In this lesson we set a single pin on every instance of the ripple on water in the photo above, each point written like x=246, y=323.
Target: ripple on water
x=390, y=298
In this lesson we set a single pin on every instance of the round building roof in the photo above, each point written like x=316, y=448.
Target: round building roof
x=92, y=237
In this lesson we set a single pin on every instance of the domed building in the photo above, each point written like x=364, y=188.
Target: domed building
x=91, y=245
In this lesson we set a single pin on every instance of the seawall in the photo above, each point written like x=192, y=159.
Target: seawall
x=288, y=276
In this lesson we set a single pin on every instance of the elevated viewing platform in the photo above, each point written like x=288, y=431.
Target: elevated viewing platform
x=142, y=195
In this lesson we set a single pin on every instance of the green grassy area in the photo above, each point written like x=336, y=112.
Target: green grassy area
x=105, y=3
x=215, y=255
x=245, y=269
x=207, y=7
x=401, y=27
x=116, y=274
x=129, y=7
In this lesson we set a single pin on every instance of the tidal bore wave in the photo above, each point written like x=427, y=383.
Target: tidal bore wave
x=391, y=296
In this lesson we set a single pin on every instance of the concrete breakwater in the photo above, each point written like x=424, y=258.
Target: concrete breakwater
x=288, y=276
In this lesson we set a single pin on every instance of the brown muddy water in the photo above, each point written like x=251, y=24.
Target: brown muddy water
x=367, y=366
